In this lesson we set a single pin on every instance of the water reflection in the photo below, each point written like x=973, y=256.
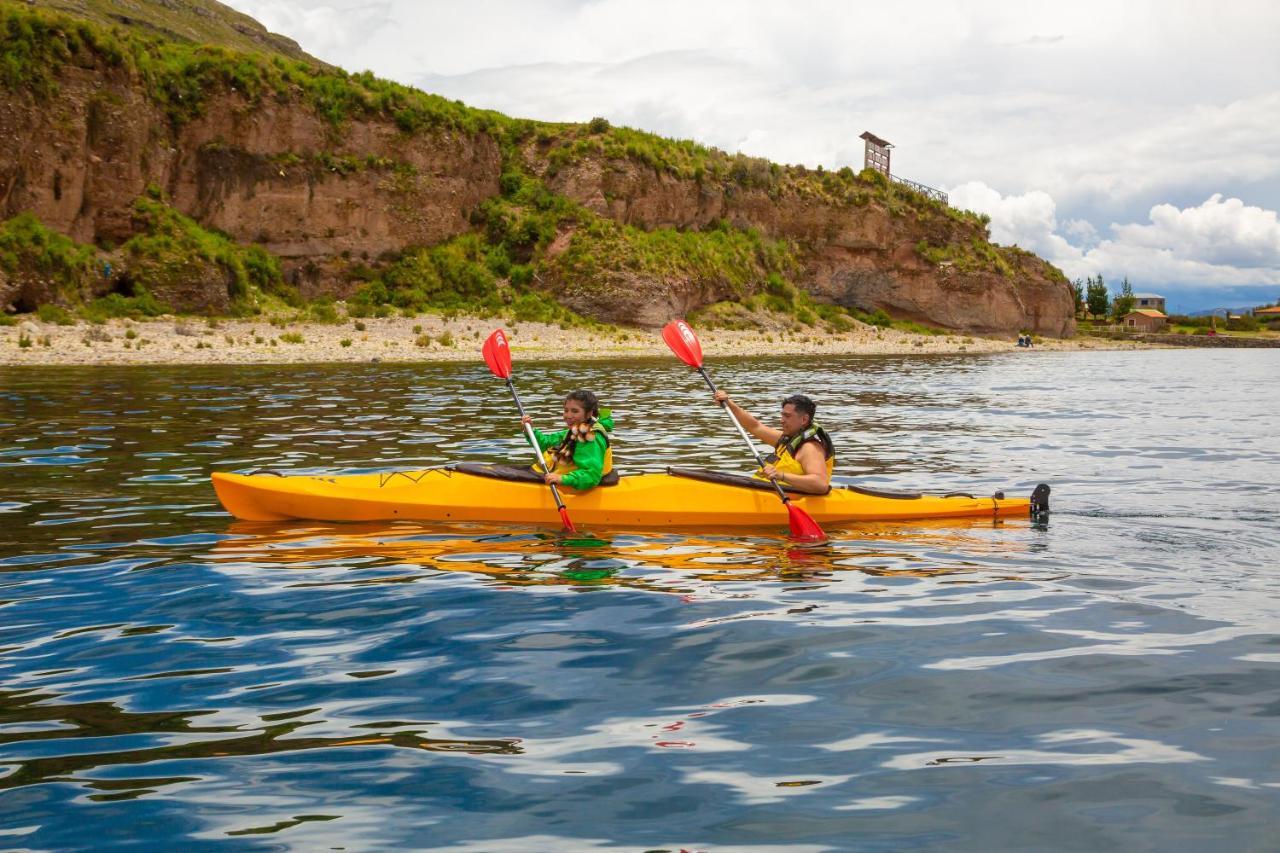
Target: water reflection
x=1106, y=680
x=401, y=552
x=56, y=732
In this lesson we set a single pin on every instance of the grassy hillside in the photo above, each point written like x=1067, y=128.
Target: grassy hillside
x=183, y=52
x=203, y=22
x=181, y=75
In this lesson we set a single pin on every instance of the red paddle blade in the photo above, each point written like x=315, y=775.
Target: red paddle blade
x=802, y=525
x=497, y=355
x=683, y=342
x=564, y=517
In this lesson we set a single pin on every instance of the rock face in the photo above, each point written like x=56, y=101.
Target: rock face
x=272, y=172
x=858, y=257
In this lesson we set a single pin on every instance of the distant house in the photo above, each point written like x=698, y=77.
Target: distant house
x=1144, y=320
x=1148, y=300
x=1264, y=313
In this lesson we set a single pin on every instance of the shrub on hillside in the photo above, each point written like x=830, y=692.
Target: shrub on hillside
x=54, y=314
x=172, y=246
x=880, y=318
x=1244, y=323
x=27, y=246
x=453, y=275
x=141, y=304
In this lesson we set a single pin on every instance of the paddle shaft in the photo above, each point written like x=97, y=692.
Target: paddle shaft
x=745, y=437
x=533, y=442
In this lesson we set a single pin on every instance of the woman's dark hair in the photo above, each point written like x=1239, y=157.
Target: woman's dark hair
x=588, y=401
x=803, y=405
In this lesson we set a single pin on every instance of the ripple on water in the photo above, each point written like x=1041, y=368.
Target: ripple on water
x=1105, y=681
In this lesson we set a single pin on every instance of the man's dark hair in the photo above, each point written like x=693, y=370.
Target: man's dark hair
x=589, y=403
x=803, y=405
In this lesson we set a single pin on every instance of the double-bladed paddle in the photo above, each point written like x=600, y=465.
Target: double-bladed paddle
x=497, y=354
x=684, y=343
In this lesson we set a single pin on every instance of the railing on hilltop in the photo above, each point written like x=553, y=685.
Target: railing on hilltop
x=937, y=195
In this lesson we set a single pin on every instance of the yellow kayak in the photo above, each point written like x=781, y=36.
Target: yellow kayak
x=678, y=498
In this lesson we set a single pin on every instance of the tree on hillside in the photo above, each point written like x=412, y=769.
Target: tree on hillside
x=1077, y=291
x=1096, y=296
x=1124, y=301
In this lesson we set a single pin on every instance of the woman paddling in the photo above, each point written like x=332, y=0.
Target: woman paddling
x=579, y=456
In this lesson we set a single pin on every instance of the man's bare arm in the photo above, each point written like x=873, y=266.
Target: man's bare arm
x=750, y=422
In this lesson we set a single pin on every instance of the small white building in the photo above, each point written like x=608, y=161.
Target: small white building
x=1151, y=301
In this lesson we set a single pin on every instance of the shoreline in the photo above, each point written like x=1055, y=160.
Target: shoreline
x=179, y=341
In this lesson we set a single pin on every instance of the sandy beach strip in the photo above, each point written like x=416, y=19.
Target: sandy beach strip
x=172, y=340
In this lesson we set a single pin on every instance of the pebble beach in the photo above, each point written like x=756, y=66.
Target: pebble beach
x=431, y=338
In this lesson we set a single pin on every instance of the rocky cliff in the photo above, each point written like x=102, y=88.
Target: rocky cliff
x=867, y=249
x=339, y=176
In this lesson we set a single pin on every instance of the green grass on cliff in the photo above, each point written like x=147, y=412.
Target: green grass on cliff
x=491, y=270
x=463, y=275
x=973, y=255
x=779, y=301
x=739, y=259
x=169, y=242
x=28, y=247
x=193, y=21
x=506, y=266
x=181, y=76
x=33, y=47
x=167, y=246
x=568, y=144
x=453, y=276
x=978, y=255
x=522, y=222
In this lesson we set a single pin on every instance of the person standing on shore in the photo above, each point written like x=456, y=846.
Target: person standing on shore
x=803, y=456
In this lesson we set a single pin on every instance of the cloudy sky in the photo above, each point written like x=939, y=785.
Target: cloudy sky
x=1122, y=138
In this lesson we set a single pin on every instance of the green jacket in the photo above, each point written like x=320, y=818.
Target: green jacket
x=588, y=456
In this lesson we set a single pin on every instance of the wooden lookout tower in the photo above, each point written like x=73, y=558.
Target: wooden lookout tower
x=877, y=156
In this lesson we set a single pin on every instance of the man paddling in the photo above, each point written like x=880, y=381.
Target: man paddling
x=803, y=453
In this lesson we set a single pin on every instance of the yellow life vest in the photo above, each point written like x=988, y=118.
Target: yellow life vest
x=559, y=457
x=784, y=454
x=561, y=465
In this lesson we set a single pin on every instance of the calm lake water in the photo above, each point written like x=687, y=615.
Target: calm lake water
x=172, y=678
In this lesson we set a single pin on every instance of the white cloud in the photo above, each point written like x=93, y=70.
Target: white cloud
x=1219, y=244
x=1028, y=220
x=1082, y=230
x=1219, y=231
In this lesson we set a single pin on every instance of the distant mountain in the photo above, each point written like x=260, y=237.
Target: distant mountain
x=196, y=21
x=1239, y=309
x=1203, y=301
